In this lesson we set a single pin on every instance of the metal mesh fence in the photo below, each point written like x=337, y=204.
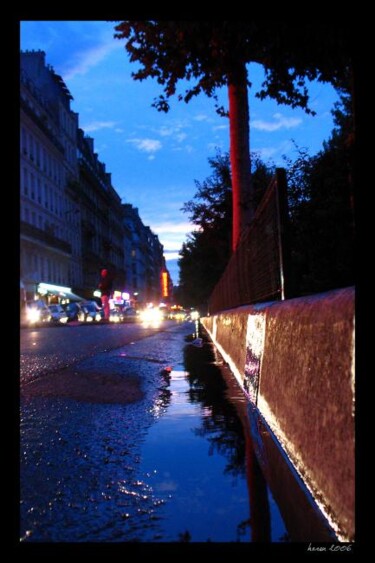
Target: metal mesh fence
x=256, y=270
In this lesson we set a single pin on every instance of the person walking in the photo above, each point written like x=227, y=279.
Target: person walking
x=105, y=286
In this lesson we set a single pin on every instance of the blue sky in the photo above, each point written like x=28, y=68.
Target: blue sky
x=153, y=157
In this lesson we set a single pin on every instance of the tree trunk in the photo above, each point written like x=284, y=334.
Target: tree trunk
x=243, y=209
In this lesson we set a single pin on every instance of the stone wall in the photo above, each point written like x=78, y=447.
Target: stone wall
x=295, y=360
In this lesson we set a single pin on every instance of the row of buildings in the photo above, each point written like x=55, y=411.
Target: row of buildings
x=73, y=222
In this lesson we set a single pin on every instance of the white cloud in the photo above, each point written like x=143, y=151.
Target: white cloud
x=146, y=145
x=182, y=228
x=171, y=255
x=167, y=131
x=219, y=127
x=151, y=157
x=181, y=137
x=85, y=60
x=96, y=125
x=268, y=152
x=201, y=117
x=173, y=131
x=280, y=122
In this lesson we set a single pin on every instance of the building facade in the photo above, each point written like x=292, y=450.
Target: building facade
x=50, y=247
x=144, y=260
x=102, y=230
x=73, y=223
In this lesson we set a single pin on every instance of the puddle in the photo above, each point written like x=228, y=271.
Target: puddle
x=178, y=465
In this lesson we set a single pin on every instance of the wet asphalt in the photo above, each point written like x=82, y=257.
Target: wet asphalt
x=79, y=458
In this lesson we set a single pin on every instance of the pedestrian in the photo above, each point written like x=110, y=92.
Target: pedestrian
x=105, y=286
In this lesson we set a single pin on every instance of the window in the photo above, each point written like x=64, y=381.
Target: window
x=24, y=140
x=37, y=150
x=33, y=218
x=32, y=186
x=46, y=196
x=39, y=190
x=40, y=222
x=26, y=215
x=42, y=267
x=31, y=147
x=25, y=181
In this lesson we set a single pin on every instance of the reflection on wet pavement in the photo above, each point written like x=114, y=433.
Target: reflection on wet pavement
x=172, y=467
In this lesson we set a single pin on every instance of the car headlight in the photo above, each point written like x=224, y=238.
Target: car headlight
x=33, y=315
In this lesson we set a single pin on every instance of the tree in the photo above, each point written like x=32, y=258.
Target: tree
x=210, y=208
x=210, y=55
x=320, y=204
x=206, y=253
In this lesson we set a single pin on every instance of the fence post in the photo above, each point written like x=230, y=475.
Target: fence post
x=284, y=234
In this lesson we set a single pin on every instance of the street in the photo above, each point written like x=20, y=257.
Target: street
x=47, y=349
x=120, y=443
x=135, y=434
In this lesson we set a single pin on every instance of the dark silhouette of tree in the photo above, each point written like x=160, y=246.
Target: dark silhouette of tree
x=223, y=427
x=205, y=255
x=205, y=56
x=320, y=196
x=321, y=210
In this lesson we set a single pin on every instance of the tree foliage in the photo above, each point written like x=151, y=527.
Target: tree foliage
x=200, y=57
x=205, y=254
x=205, y=54
x=321, y=216
x=321, y=211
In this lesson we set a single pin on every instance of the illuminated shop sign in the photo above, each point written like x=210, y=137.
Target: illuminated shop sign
x=164, y=284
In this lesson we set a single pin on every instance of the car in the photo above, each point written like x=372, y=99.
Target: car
x=74, y=311
x=58, y=315
x=130, y=314
x=37, y=312
x=92, y=311
x=177, y=314
x=116, y=315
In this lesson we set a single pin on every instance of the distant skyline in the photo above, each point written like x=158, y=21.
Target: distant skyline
x=155, y=158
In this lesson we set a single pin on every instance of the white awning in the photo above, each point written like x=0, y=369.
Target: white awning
x=60, y=291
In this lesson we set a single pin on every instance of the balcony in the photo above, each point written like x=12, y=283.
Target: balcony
x=43, y=125
x=46, y=238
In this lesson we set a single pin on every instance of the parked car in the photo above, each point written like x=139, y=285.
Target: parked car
x=37, y=312
x=177, y=315
x=116, y=315
x=123, y=314
x=130, y=314
x=74, y=311
x=92, y=311
x=58, y=314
